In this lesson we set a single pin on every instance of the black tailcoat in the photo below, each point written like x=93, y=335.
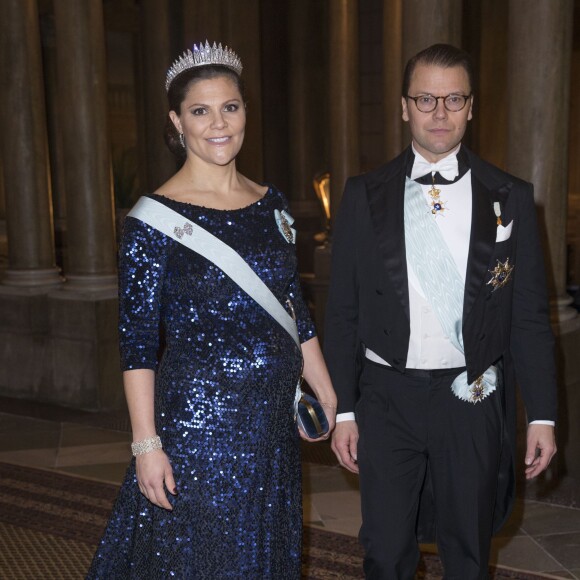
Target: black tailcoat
x=368, y=303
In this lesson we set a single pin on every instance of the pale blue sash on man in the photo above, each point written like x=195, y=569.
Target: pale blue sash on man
x=442, y=285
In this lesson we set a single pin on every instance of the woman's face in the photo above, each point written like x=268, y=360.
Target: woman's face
x=212, y=120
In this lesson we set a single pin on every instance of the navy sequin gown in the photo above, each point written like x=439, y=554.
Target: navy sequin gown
x=224, y=398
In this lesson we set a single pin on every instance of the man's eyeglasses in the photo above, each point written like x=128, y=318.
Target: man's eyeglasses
x=428, y=103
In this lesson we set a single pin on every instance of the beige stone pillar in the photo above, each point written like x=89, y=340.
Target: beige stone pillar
x=31, y=263
x=343, y=97
x=203, y=20
x=392, y=75
x=306, y=93
x=540, y=45
x=242, y=32
x=236, y=24
x=491, y=99
x=2, y=196
x=343, y=105
x=426, y=22
x=3, y=242
x=307, y=127
x=53, y=126
x=80, y=45
x=157, y=56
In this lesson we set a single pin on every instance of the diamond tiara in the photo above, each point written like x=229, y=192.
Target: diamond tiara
x=203, y=56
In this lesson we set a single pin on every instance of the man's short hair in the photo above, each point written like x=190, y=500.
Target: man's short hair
x=442, y=55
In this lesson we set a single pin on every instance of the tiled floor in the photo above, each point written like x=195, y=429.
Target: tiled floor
x=540, y=537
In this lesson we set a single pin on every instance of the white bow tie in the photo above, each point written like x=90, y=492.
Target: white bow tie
x=448, y=167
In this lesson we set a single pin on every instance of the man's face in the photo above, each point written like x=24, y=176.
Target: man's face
x=437, y=133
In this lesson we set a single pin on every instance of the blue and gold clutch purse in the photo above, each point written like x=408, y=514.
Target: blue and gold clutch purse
x=311, y=417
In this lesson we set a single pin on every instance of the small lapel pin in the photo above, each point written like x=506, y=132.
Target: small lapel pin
x=497, y=211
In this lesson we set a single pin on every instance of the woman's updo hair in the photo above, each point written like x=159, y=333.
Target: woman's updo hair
x=178, y=90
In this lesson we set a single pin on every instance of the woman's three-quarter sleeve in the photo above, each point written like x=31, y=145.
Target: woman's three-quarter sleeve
x=142, y=259
x=306, y=328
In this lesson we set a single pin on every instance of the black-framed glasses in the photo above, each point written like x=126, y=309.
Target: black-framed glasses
x=428, y=103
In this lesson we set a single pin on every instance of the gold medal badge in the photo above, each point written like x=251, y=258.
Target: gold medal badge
x=437, y=204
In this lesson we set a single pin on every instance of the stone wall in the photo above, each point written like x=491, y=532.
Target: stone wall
x=61, y=349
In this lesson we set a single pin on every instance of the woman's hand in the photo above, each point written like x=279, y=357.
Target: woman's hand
x=153, y=468
x=153, y=473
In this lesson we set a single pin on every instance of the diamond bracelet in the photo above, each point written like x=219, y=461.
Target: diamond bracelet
x=146, y=445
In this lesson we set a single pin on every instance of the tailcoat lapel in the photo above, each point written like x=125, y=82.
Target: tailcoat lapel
x=385, y=192
x=483, y=233
x=386, y=203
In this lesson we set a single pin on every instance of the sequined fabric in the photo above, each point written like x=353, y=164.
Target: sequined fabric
x=223, y=404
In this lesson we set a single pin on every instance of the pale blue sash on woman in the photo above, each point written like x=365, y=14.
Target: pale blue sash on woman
x=442, y=285
x=198, y=239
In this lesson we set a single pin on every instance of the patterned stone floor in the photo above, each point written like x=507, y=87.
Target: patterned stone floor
x=541, y=536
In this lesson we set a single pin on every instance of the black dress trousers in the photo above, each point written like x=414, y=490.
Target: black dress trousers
x=412, y=425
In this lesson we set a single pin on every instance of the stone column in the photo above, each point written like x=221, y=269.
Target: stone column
x=82, y=363
x=3, y=240
x=2, y=199
x=236, y=24
x=305, y=90
x=343, y=97
x=426, y=22
x=157, y=56
x=82, y=81
x=307, y=127
x=392, y=76
x=53, y=126
x=343, y=106
x=31, y=263
x=540, y=45
x=203, y=20
x=491, y=99
x=31, y=273
x=241, y=30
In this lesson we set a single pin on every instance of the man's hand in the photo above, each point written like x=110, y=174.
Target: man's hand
x=541, y=447
x=344, y=443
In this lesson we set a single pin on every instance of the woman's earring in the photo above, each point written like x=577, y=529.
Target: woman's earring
x=182, y=140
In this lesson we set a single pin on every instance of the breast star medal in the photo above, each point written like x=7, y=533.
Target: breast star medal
x=500, y=275
x=437, y=204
